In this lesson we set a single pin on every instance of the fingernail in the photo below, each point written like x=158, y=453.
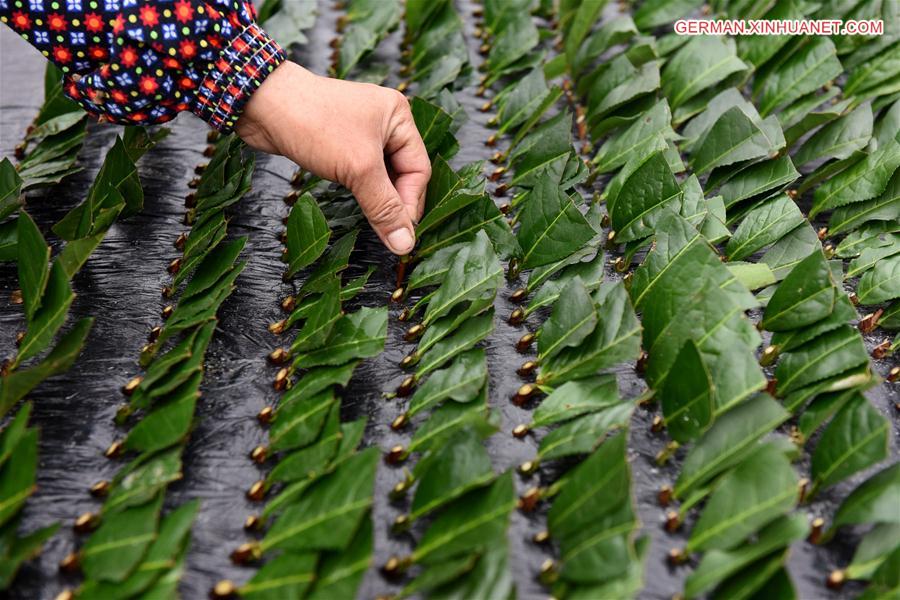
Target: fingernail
x=400, y=241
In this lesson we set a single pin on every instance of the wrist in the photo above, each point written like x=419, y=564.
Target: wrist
x=236, y=75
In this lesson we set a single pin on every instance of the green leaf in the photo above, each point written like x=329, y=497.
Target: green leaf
x=323, y=313
x=864, y=180
x=767, y=578
x=9, y=241
x=518, y=36
x=880, y=284
x=142, y=480
x=696, y=131
x=735, y=138
x=312, y=461
x=335, y=260
x=868, y=258
x=16, y=550
x=616, y=88
x=764, y=225
x=167, y=550
x=16, y=385
x=618, y=150
x=873, y=550
x=787, y=252
x=648, y=191
x=287, y=575
x=752, y=275
x=873, y=501
x=18, y=475
x=654, y=13
x=48, y=319
x=369, y=23
x=687, y=399
x=805, y=296
x=165, y=425
x=592, y=518
x=307, y=234
x=752, y=494
x=575, y=398
x=615, y=339
x=339, y=574
x=451, y=417
x=435, y=126
x=33, y=263
x=810, y=67
x=726, y=339
x=614, y=31
x=114, y=551
x=289, y=21
x=432, y=269
x=448, y=472
x=699, y=65
x=10, y=189
x=842, y=314
x=458, y=315
x=838, y=139
x=573, y=319
x=460, y=382
x=327, y=517
x=470, y=333
x=474, y=271
x=871, y=235
x=864, y=80
x=590, y=271
x=463, y=225
x=298, y=422
x=356, y=335
x=542, y=146
x=855, y=439
x=829, y=355
x=552, y=227
x=885, y=207
x=718, y=565
x=732, y=437
x=757, y=179
x=12, y=433
x=583, y=434
x=75, y=254
x=468, y=523
x=681, y=254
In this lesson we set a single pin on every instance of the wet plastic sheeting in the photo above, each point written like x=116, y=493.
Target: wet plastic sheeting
x=120, y=286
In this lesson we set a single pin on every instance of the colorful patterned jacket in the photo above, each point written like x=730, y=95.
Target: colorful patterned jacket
x=144, y=61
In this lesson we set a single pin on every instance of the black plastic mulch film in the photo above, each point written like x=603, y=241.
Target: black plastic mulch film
x=120, y=286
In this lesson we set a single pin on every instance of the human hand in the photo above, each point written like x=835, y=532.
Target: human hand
x=360, y=135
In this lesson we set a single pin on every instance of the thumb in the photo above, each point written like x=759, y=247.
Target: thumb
x=386, y=213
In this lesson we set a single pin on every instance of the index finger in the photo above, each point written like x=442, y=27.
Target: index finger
x=410, y=164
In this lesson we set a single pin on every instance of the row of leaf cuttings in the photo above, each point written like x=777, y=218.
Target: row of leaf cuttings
x=823, y=359
x=315, y=532
x=49, y=151
x=591, y=328
x=459, y=511
x=135, y=550
x=457, y=201
x=46, y=294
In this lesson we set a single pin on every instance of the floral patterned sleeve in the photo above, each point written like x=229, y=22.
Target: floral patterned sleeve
x=144, y=61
